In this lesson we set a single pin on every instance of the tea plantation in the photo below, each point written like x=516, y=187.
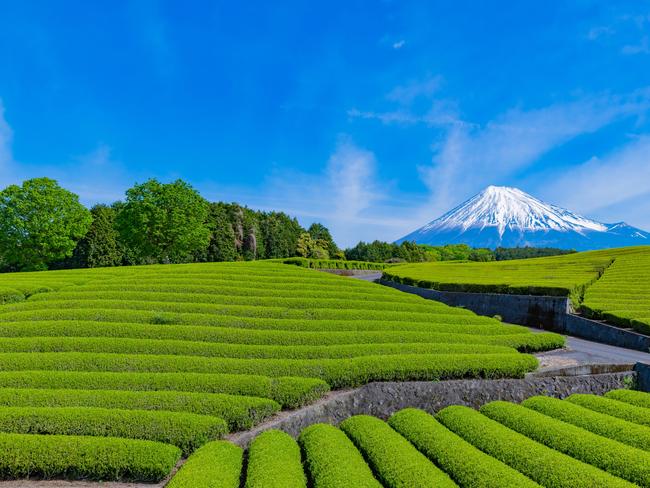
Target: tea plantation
x=581, y=441
x=117, y=373
x=613, y=284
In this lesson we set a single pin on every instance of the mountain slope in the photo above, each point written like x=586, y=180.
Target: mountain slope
x=508, y=217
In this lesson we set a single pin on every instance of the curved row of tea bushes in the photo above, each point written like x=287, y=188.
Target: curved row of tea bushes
x=633, y=397
x=613, y=408
x=338, y=373
x=393, y=459
x=274, y=461
x=334, y=264
x=218, y=464
x=614, y=457
x=238, y=412
x=538, y=462
x=185, y=430
x=332, y=461
x=79, y=457
x=226, y=350
x=465, y=464
x=604, y=425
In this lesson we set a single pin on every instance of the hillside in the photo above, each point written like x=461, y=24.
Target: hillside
x=174, y=356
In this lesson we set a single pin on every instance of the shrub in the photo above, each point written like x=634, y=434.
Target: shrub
x=78, y=457
x=540, y=463
x=598, y=423
x=394, y=460
x=638, y=398
x=614, y=408
x=218, y=464
x=239, y=412
x=332, y=461
x=614, y=457
x=185, y=430
x=466, y=465
x=274, y=462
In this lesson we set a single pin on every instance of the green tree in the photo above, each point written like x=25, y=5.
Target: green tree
x=319, y=232
x=308, y=247
x=164, y=223
x=100, y=246
x=40, y=223
x=222, y=236
x=279, y=233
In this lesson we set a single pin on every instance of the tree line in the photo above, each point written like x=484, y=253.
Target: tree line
x=44, y=226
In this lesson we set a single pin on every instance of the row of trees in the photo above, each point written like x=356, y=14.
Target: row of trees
x=45, y=226
x=414, y=253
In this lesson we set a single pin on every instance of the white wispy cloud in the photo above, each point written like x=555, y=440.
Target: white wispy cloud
x=6, y=155
x=643, y=47
x=399, y=44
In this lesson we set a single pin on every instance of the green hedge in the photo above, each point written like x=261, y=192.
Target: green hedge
x=614, y=457
x=289, y=392
x=614, y=408
x=542, y=464
x=394, y=460
x=338, y=373
x=332, y=461
x=239, y=412
x=604, y=425
x=334, y=264
x=185, y=430
x=218, y=464
x=633, y=397
x=78, y=457
x=274, y=461
x=467, y=465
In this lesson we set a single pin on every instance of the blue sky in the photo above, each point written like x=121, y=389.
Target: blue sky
x=372, y=117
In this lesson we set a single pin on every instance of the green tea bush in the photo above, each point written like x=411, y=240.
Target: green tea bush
x=465, y=464
x=604, y=425
x=218, y=464
x=238, y=412
x=274, y=462
x=633, y=397
x=287, y=391
x=396, y=463
x=614, y=457
x=185, y=430
x=332, y=461
x=538, y=462
x=614, y=408
x=78, y=457
x=334, y=264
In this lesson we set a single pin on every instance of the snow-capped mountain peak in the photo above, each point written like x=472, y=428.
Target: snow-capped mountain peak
x=505, y=216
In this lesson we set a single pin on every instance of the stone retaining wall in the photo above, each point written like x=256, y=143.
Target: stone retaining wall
x=385, y=398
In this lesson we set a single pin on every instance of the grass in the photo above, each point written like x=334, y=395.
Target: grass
x=183, y=352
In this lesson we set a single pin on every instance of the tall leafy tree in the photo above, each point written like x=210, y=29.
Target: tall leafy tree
x=164, y=223
x=279, y=234
x=319, y=232
x=222, y=236
x=100, y=246
x=40, y=223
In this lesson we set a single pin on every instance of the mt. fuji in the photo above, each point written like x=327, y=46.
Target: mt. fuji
x=501, y=216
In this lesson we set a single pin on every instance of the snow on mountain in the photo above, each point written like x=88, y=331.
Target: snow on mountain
x=508, y=217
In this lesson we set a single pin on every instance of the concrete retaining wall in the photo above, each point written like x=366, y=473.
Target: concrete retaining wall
x=385, y=398
x=550, y=313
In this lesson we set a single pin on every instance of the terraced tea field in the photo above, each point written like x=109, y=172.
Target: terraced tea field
x=613, y=284
x=582, y=441
x=117, y=373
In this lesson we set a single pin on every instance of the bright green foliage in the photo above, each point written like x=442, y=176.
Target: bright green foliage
x=332, y=461
x=308, y=247
x=598, y=423
x=614, y=457
x=274, y=462
x=40, y=222
x=321, y=234
x=633, y=397
x=185, y=430
x=334, y=264
x=164, y=223
x=239, y=412
x=542, y=464
x=79, y=457
x=614, y=408
x=222, y=236
x=622, y=295
x=396, y=463
x=218, y=464
x=465, y=464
